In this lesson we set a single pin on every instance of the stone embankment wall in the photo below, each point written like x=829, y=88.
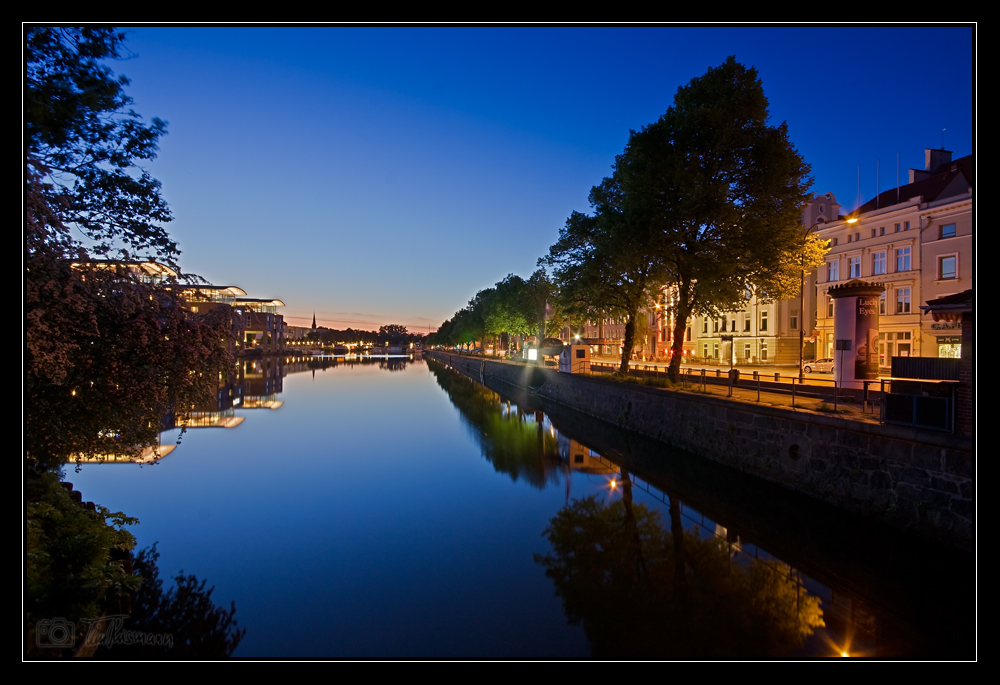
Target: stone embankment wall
x=914, y=479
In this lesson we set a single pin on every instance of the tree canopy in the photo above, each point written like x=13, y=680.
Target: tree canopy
x=727, y=190
x=84, y=146
x=705, y=201
x=604, y=264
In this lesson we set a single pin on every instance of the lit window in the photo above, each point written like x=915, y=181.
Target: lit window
x=878, y=263
x=947, y=268
x=903, y=259
x=902, y=300
x=948, y=231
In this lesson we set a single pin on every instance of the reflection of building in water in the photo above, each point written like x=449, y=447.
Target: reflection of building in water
x=147, y=456
x=582, y=458
x=211, y=419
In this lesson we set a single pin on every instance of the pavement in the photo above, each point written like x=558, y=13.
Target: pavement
x=747, y=392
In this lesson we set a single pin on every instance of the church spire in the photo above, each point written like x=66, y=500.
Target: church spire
x=314, y=321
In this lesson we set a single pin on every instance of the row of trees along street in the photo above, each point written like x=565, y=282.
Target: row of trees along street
x=107, y=355
x=511, y=310
x=705, y=203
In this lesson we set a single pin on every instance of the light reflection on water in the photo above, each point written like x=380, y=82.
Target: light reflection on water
x=405, y=514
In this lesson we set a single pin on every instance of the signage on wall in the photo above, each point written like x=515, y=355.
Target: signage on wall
x=946, y=325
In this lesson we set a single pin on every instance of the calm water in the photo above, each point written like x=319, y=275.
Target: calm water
x=400, y=509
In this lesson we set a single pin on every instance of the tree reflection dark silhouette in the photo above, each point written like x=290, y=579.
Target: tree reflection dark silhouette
x=642, y=591
x=515, y=445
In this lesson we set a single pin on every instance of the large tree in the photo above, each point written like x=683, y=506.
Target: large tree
x=107, y=355
x=727, y=189
x=605, y=264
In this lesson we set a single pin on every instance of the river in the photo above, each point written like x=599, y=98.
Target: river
x=399, y=509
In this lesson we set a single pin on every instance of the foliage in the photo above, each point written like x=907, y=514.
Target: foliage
x=726, y=189
x=605, y=265
x=73, y=559
x=82, y=145
x=185, y=613
x=107, y=356
x=640, y=590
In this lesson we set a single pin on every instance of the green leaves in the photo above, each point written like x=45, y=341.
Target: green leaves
x=84, y=145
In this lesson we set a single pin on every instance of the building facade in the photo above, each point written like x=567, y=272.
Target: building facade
x=916, y=239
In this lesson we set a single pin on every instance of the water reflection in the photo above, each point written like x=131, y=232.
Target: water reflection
x=662, y=578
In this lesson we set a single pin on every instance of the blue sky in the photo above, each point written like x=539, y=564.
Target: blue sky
x=384, y=175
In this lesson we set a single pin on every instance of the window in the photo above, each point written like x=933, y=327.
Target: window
x=855, y=266
x=897, y=228
x=903, y=259
x=835, y=240
x=906, y=225
x=746, y=350
x=948, y=230
x=946, y=267
x=715, y=326
x=881, y=303
x=857, y=236
x=902, y=300
x=704, y=325
x=833, y=271
x=875, y=232
x=794, y=320
x=746, y=323
x=881, y=230
x=850, y=238
x=715, y=350
x=763, y=321
x=829, y=307
x=763, y=351
x=878, y=263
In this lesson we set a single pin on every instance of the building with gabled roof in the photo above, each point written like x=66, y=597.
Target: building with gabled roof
x=916, y=239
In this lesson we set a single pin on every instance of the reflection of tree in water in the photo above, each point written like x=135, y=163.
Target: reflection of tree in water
x=640, y=590
x=515, y=446
x=393, y=363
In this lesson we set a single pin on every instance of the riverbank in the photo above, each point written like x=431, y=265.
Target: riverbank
x=912, y=479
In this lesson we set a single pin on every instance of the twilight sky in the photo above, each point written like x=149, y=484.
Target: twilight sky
x=384, y=175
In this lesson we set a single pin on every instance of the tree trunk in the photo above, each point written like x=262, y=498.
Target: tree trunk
x=629, y=343
x=677, y=346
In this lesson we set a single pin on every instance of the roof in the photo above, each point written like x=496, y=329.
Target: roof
x=930, y=188
x=950, y=307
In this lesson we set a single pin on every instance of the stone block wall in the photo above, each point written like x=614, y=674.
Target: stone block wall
x=918, y=480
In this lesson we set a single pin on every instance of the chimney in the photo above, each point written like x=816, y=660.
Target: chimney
x=933, y=159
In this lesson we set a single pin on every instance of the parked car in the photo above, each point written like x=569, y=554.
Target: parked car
x=818, y=365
